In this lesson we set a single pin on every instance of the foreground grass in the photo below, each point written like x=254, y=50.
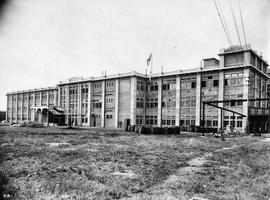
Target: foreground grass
x=50, y=163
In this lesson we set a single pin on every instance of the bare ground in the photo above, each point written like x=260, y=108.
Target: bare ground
x=53, y=163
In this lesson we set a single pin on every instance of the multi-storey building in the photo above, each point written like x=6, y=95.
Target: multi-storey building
x=165, y=99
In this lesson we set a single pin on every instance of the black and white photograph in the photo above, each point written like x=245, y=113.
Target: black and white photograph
x=134, y=99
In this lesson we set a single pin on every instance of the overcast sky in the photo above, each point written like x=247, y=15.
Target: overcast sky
x=44, y=42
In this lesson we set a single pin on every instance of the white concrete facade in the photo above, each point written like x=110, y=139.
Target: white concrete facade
x=183, y=109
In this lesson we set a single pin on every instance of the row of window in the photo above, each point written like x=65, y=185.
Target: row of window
x=151, y=120
x=109, y=100
x=188, y=103
x=109, y=116
x=188, y=85
x=109, y=84
x=140, y=85
x=210, y=83
x=97, y=85
x=140, y=102
x=168, y=120
x=139, y=119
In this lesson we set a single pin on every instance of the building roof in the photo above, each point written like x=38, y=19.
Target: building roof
x=33, y=90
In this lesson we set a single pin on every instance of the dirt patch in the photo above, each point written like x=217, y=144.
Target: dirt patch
x=197, y=162
x=126, y=173
x=266, y=140
x=57, y=144
x=226, y=148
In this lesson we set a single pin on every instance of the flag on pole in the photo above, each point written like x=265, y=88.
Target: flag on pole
x=149, y=60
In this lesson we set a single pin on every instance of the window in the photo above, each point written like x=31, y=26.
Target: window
x=84, y=89
x=188, y=83
x=139, y=119
x=140, y=85
x=165, y=87
x=193, y=84
x=184, y=85
x=208, y=123
x=109, y=84
x=182, y=122
x=151, y=120
x=139, y=102
x=97, y=103
x=150, y=103
x=215, y=83
x=182, y=103
x=239, y=103
x=233, y=103
x=226, y=82
x=239, y=124
x=163, y=104
x=193, y=103
x=203, y=83
x=109, y=116
x=215, y=123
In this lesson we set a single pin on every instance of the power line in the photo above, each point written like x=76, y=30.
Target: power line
x=222, y=23
x=244, y=32
x=226, y=27
x=235, y=24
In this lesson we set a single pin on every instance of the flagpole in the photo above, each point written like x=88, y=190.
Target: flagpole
x=151, y=66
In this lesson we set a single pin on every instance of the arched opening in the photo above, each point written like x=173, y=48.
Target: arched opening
x=44, y=115
x=38, y=115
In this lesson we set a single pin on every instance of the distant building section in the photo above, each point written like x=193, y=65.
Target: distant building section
x=168, y=99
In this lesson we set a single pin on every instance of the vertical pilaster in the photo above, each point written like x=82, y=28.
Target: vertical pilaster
x=247, y=57
x=144, y=102
x=178, y=98
x=33, y=110
x=59, y=96
x=198, y=99
x=159, y=117
x=89, y=108
x=133, y=99
x=21, y=103
x=260, y=91
x=116, y=107
x=103, y=98
x=16, y=104
x=40, y=102
x=47, y=100
x=7, y=110
x=256, y=62
x=55, y=98
x=34, y=99
x=47, y=103
x=67, y=103
x=11, y=108
x=246, y=103
x=220, y=98
x=80, y=104
x=27, y=107
x=255, y=87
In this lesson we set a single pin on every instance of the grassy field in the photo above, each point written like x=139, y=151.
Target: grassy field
x=54, y=163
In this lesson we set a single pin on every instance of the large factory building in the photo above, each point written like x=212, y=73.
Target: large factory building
x=166, y=99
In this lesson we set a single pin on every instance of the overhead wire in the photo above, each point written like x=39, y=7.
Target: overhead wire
x=242, y=22
x=235, y=24
x=224, y=28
